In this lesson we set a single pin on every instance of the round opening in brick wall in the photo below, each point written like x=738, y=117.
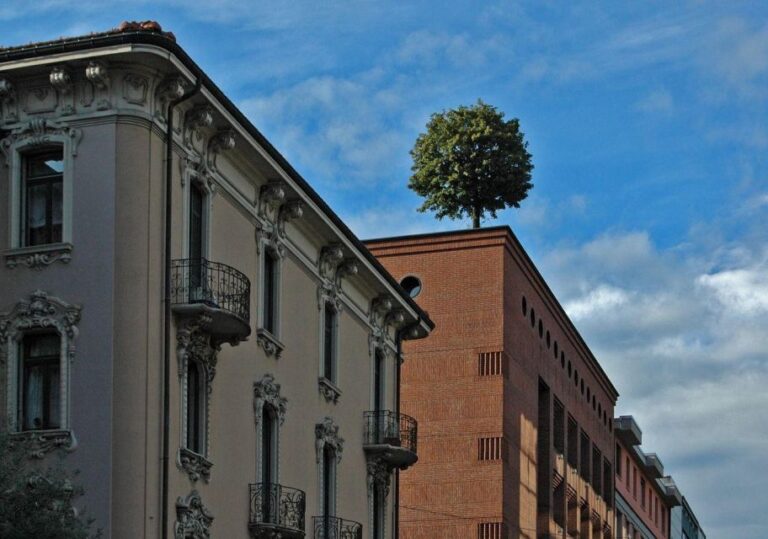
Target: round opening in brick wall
x=412, y=285
x=555, y=349
x=569, y=369
x=525, y=306
x=562, y=359
x=588, y=394
x=533, y=317
x=548, y=341
x=576, y=377
x=582, y=386
x=541, y=329
x=599, y=409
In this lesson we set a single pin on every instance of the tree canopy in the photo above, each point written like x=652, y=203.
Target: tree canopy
x=37, y=501
x=470, y=161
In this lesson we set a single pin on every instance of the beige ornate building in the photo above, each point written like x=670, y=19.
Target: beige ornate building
x=181, y=315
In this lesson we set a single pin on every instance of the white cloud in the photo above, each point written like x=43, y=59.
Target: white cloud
x=741, y=292
x=603, y=299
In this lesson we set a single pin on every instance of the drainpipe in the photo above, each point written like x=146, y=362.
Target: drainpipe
x=167, y=300
x=399, y=338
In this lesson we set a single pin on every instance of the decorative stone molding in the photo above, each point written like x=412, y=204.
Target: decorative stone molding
x=271, y=197
x=97, y=74
x=38, y=256
x=40, y=312
x=136, y=89
x=328, y=293
x=269, y=343
x=193, y=520
x=8, y=99
x=330, y=257
x=61, y=80
x=379, y=474
x=292, y=209
x=222, y=141
x=194, y=343
x=327, y=432
x=266, y=391
x=196, y=466
x=37, y=443
x=328, y=390
x=168, y=90
x=196, y=120
x=40, y=132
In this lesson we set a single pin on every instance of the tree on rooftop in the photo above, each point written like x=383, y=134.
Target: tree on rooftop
x=471, y=162
x=36, y=501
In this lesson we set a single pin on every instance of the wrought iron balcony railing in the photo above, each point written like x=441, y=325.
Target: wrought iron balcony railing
x=327, y=527
x=200, y=281
x=275, y=508
x=385, y=427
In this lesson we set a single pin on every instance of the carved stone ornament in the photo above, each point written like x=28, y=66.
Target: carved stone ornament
x=39, y=256
x=193, y=520
x=292, y=209
x=195, y=120
x=269, y=343
x=328, y=390
x=37, y=443
x=379, y=474
x=330, y=257
x=222, y=141
x=329, y=293
x=271, y=197
x=96, y=72
x=196, y=466
x=327, y=432
x=40, y=132
x=41, y=311
x=346, y=269
x=168, y=90
x=266, y=391
x=8, y=99
x=194, y=343
x=61, y=80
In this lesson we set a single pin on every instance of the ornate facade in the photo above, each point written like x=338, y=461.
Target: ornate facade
x=273, y=305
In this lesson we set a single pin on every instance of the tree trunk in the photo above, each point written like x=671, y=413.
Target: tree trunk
x=475, y=220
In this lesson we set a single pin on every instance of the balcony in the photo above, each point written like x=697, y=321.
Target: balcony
x=218, y=291
x=336, y=528
x=276, y=511
x=392, y=437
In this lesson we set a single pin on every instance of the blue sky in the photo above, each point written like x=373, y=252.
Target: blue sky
x=648, y=126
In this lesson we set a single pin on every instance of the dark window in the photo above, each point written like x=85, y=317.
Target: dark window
x=195, y=407
x=329, y=486
x=329, y=342
x=618, y=460
x=196, y=225
x=40, y=396
x=412, y=285
x=533, y=317
x=573, y=441
x=642, y=492
x=584, y=453
x=559, y=426
x=270, y=291
x=268, y=427
x=525, y=306
x=43, y=208
x=378, y=383
x=597, y=463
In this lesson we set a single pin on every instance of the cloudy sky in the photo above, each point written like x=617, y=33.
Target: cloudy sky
x=648, y=126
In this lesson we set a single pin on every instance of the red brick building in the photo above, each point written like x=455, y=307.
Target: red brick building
x=515, y=413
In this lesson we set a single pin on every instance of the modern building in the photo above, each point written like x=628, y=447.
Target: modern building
x=684, y=524
x=645, y=497
x=182, y=317
x=515, y=431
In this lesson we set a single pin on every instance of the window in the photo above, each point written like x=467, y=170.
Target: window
x=40, y=402
x=329, y=342
x=196, y=402
x=378, y=514
x=584, y=453
x=378, y=382
x=43, y=198
x=618, y=460
x=597, y=480
x=642, y=492
x=626, y=467
x=412, y=285
x=558, y=438
x=491, y=530
x=573, y=448
x=269, y=291
x=328, y=494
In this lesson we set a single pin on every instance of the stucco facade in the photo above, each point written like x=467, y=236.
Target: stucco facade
x=102, y=103
x=514, y=410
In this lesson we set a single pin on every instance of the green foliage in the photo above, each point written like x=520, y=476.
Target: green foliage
x=35, y=501
x=471, y=162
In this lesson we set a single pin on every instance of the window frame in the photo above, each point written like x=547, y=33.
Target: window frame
x=28, y=144
x=329, y=386
x=48, y=181
x=201, y=448
x=46, y=361
x=40, y=313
